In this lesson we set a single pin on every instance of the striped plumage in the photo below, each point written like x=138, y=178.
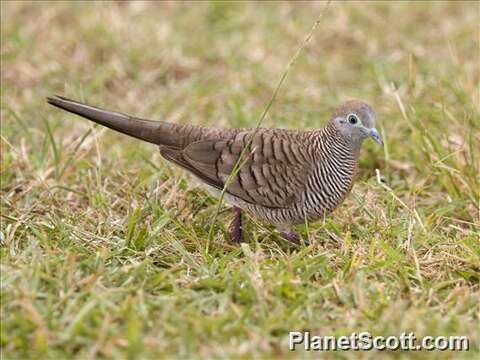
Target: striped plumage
x=287, y=176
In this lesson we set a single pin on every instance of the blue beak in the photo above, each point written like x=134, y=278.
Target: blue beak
x=375, y=136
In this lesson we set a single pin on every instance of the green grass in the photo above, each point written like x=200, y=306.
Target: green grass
x=102, y=241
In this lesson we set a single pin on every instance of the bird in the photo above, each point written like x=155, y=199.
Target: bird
x=283, y=177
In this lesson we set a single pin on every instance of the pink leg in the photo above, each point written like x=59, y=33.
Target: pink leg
x=236, y=226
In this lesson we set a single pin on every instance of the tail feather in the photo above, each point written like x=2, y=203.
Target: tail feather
x=156, y=132
x=146, y=130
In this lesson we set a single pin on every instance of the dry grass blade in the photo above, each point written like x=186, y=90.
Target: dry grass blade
x=242, y=159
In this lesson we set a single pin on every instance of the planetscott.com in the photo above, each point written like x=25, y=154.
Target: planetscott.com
x=365, y=341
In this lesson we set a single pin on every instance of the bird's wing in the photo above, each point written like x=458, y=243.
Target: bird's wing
x=273, y=174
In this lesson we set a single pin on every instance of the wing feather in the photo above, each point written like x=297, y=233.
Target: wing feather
x=274, y=175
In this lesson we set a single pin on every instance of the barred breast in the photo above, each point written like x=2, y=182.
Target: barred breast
x=325, y=184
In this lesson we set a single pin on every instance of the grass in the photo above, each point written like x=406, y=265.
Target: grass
x=102, y=241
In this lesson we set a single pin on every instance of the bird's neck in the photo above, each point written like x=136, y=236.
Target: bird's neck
x=330, y=140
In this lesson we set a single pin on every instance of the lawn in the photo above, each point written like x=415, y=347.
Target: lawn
x=103, y=243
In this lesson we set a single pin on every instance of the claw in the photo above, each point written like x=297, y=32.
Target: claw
x=291, y=236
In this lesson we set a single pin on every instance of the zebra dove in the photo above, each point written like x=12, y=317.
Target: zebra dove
x=287, y=176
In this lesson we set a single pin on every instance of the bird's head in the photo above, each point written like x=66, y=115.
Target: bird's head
x=355, y=121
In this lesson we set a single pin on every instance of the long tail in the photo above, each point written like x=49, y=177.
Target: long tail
x=142, y=129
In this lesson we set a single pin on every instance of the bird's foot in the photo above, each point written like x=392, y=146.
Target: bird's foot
x=236, y=226
x=291, y=236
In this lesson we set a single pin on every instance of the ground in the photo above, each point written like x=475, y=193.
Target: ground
x=104, y=244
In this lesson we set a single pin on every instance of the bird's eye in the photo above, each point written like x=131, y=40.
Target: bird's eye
x=352, y=119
